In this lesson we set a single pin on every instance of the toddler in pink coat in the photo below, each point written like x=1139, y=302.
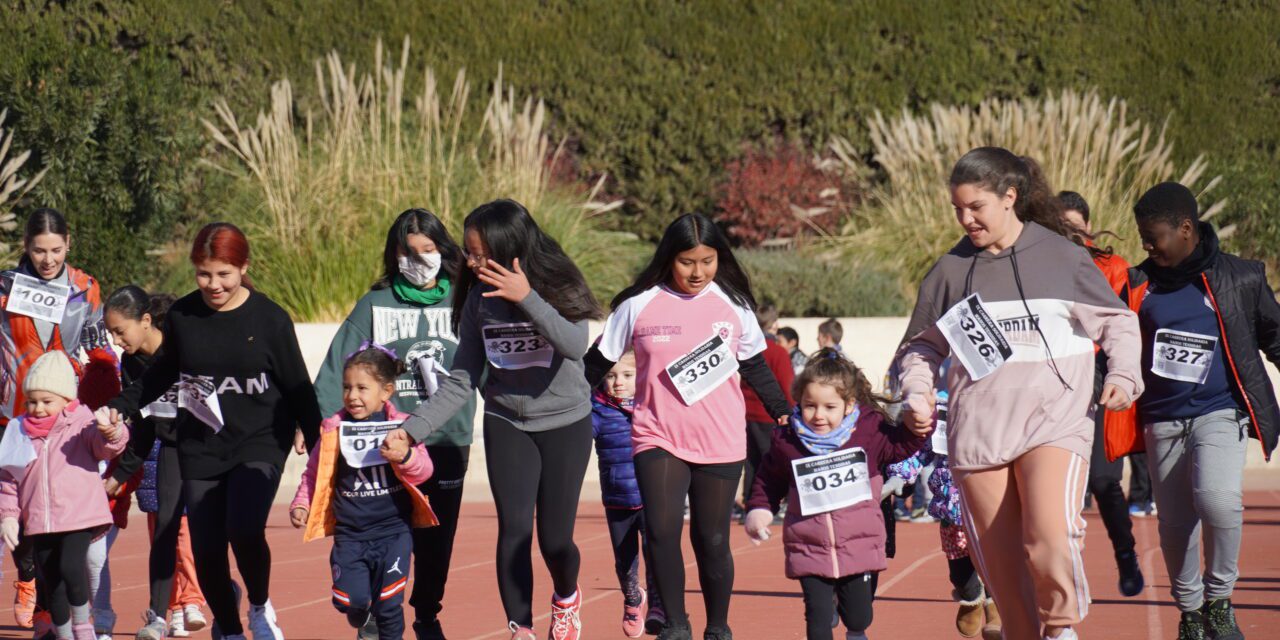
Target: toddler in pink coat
x=50, y=489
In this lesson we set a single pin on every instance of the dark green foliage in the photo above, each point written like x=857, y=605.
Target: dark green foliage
x=659, y=94
x=803, y=285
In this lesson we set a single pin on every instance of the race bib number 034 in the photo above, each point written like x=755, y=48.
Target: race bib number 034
x=360, y=442
x=1178, y=355
x=976, y=340
x=832, y=481
x=38, y=299
x=698, y=372
x=517, y=346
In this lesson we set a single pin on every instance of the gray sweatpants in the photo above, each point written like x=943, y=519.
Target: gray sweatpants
x=1196, y=469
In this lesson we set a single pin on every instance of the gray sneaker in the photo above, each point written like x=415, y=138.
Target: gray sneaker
x=153, y=627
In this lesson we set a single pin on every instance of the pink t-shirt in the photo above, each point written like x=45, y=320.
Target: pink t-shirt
x=662, y=326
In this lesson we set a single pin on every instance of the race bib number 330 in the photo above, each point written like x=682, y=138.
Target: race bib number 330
x=38, y=299
x=832, y=481
x=976, y=340
x=698, y=372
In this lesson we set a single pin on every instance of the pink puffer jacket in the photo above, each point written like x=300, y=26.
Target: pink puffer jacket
x=62, y=489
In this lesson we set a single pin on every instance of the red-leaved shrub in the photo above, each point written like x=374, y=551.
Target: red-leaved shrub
x=779, y=192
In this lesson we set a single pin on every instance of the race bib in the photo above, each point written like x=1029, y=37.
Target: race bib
x=199, y=397
x=939, y=439
x=38, y=299
x=832, y=481
x=975, y=339
x=165, y=407
x=708, y=366
x=359, y=442
x=517, y=346
x=1179, y=355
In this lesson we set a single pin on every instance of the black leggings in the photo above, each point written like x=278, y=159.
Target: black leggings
x=850, y=594
x=541, y=470
x=1104, y=485
x=61, y=557
x=433, y=546
x=665, y=480
x=164, y=541
x=232, y=508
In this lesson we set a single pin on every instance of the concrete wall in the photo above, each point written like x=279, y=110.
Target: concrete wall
x=870, y=342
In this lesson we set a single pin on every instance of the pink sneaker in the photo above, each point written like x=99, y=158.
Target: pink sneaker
x=632, y=624
x=521, y=633
x=83, y=631
x=565, y=621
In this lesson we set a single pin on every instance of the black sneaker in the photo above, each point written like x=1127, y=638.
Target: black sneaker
x=676, y=631
x=1131, y=581
x=717, y=633
x=428, y=630
x=1220, y=620
x=1191, y=627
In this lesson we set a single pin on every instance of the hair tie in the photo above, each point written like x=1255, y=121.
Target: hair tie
x=833, y=354
x=369, y=344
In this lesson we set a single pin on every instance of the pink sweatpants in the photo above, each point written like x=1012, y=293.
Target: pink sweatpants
x=1032, y=504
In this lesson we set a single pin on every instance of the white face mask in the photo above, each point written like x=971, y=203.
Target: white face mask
x=419, y=273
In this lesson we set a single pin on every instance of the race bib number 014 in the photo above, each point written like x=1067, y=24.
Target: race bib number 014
x=517, y=346
x=698, y=372
x=360, y=442
x=38, y=299
x=976, y=340
x=1178, y=355
x=832, y=481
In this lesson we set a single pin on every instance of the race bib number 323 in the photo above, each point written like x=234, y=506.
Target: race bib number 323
x=976, y=340
x=517, y=345
x=832, y=481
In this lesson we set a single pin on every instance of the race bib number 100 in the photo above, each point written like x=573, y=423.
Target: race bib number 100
x=976, y=340
x=832, y=481
x=517, y=345
x=38, y=299
x=1179, y=355
x=360, y=442
x=698, y=372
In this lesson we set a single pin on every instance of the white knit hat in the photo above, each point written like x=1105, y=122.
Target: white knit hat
x=52, y=372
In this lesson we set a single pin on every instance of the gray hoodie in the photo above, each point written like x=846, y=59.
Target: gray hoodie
x=536, y=398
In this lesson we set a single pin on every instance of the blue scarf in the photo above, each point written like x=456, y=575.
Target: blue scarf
x=827, y=442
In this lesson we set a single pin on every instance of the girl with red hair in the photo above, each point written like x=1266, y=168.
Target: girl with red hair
x=242, y=393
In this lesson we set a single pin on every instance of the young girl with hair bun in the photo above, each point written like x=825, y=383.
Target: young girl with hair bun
x=826, y=464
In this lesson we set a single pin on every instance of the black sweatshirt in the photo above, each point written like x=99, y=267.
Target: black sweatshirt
x=144, y=431
x=251, y=356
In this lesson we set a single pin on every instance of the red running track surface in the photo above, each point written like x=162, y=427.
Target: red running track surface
x=914, y=599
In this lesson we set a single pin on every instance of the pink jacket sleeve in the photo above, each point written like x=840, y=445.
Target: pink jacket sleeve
x=9, y=507
x=307, y=485
x=420, y=467
x=1111, y=325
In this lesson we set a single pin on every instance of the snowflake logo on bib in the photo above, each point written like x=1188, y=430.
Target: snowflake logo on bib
x=807, y=484
x=723, y=329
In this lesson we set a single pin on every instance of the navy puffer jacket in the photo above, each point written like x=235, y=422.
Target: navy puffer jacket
x=611, y=424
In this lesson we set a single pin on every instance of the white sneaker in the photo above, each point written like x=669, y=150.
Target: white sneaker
x=1067, y=634
x=194, y=618
x=262, y=622
x=153, y=627
x=178, y=625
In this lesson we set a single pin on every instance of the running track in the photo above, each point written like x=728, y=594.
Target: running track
x=914, y=593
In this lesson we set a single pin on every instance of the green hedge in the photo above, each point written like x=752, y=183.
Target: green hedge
x=803, y=285
x=660, y=94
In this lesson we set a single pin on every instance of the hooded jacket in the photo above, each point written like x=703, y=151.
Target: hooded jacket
x=61, y=490
x=1052, y=304
x=611, y=425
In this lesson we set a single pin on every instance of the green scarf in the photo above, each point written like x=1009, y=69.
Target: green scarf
x=425, y=297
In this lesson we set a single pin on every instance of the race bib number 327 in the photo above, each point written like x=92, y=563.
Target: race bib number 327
x=976, y=340
x=1180, y=355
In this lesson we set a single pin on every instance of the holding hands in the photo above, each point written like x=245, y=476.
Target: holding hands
x=109, y=423
x=9, y=531
x=395, y=447
x=509, y=284
x=758, y=521
x=917, y=413
x=298, y=516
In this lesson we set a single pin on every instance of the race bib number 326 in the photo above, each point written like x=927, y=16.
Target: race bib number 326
x=832, y=481
x=976, y=340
